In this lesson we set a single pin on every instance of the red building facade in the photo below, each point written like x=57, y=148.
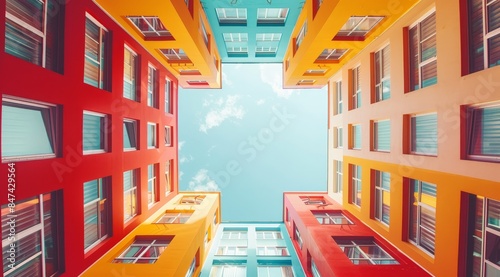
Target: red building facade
x=330, y=241
x=89, y=136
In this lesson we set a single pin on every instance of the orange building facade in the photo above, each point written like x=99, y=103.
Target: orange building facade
x=413, y=136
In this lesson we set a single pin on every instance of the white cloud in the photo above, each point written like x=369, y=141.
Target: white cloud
x=202, y=182
x=261, y=101
x=222, y=109
x=181, y=144
x=227, y=81
x=186, y=159
x=209, y=151
x=271, y=74
x=180, y=175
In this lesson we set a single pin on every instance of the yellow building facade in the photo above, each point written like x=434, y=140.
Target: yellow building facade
x=173, y=242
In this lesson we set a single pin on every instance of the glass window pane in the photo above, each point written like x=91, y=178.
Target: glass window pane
x=93, y=132
x=20, y=124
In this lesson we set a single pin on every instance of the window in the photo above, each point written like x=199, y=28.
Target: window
x=364, y=252
x=331, y=55
x=38, y=243
x=174, y=217
x=204, y=34
x=235, y=37
x=313, y=200
x=129, y=134
x=297, y=236
x=228, y=270
x=338, y=98
x=331, y=218
x=274, y=269
x=314, y=269
x=422, y=53
x=306, y=82
x=355, y=184
x=168, y=176
x=382, y=68
x=315, y=72
x=231, y=251
x=151, y=135
x=168, y=135
x=33, y=32
x=356, y=137
x=267, y=37
x=23, y=120
x=152, y=190
x=382, y=203
x=382, y=135
x=272, y=251
x=192, y=199
x=273, y=235
x=339, y=141
x=197, y=83
x=484, y=30
x=95, y=133
x=261, y=51
x=168, y=96
x=234, y=234
x=144, y=251
x=96, y=55
x=356, y=88
x=423, y=134
x=300, y=36
x=274, y=16
x=151, y=27
x=175, y=55
x=129, y=194
x=338, y=177
x=192, y=267
x=422, y=217
x=130, y=74
x=97, y=211
x=357, y=27
x=152, y=87
x=231, y=16
x=483, y=239
x=483, y=132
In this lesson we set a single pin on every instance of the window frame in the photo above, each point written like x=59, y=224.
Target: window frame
x=238, y=20
x=300, y=36
x=356, y=184
x=419, y=205
x=152, y=136
x=174, y=217
x=380, y=76
x=359, y=243
x=168, y=176
x=152, y=185
x=56, y=17
x=379, y=192
x=356, y=92
x=50, y=115
x=338, y=97
x=132, y=191
x=377, y=138
x=104, y=194
x=168, y=136
x=338, y=187
x=413, y=133
x=133, y=65
x=413, y=85
x=331, y=217
x=168, y=96
x=471, y=115
x=192, y=199
x=105, y=134
x=145, y=243
x=135, y=128
x=270, y=250
x=483, y=35
x=48, y=224
x=152, y=100
x=356, y=136
x=103, y=80
x=297, y=236
x=239, y=250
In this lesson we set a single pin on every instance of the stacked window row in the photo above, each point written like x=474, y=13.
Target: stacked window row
x=421, y=200
x=421, y=133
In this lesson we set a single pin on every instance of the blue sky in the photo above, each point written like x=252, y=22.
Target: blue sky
x=252, y=140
